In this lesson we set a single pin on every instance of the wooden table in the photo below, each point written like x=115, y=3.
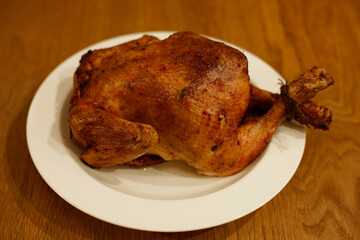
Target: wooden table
x=322, y=201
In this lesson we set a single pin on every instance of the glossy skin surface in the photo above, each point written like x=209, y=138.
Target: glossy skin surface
x=182, y=98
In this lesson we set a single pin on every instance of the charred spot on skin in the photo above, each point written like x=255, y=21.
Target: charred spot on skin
x=222, y=118
x=238, y=142
x=128, y=85
x=182, y=93
x=101, y=108
x=88, y=73
x=214, y=148
x=136, y=138
x=222, y=115
x=217, y=58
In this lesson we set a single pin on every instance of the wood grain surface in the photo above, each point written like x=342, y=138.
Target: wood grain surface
x=322, y=201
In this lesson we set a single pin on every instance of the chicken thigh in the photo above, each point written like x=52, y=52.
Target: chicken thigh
x=184, y=98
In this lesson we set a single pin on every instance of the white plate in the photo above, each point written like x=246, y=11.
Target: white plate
x=168, y=197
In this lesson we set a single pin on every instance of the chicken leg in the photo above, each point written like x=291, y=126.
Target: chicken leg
x=294, y=102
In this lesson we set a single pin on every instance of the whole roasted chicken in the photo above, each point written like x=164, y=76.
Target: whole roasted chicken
x=183, y=98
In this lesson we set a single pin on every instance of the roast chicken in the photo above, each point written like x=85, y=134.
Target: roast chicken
x=184, y=98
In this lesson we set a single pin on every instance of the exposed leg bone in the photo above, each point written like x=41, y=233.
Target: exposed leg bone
x=297, y=94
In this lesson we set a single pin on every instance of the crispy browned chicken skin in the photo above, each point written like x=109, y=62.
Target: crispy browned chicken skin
x=182, y=98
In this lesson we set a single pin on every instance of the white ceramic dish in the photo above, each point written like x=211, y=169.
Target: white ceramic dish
x=168, y=197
